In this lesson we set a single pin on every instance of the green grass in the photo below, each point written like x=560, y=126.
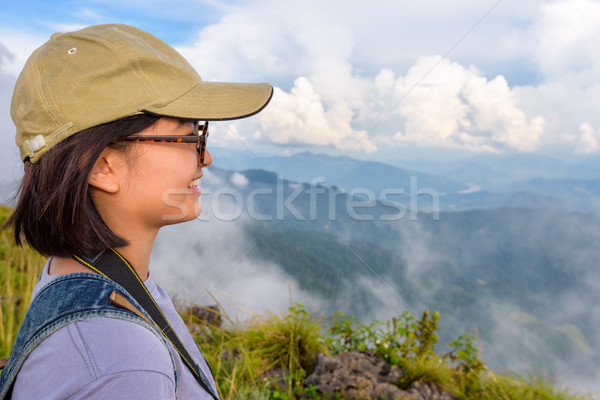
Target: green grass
x=19, y=272
x=269, y=356
x=517, y=387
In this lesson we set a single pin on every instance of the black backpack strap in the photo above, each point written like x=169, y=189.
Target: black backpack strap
x=114, y=266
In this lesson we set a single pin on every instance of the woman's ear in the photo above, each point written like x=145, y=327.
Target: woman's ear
x=104, y=175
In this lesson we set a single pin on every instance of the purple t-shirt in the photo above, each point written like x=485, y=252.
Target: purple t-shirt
x=105, y=358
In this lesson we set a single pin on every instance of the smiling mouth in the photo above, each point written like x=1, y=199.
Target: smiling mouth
x=194, y=184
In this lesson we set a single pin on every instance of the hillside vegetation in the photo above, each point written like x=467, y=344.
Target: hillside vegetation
x=271, y=356
x=19, y=272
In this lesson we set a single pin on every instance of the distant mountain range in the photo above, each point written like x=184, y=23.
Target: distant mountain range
x=486, y=171
x=343, y=172
x=480, y=182
x=492, y=170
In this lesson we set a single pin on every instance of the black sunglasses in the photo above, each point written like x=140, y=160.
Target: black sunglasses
x=193, y=137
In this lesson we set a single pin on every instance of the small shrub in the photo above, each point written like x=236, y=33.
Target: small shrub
x=470, y=366
x=291, y=341
x=433, y=370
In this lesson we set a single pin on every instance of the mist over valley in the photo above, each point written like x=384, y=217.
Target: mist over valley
x=513, y=263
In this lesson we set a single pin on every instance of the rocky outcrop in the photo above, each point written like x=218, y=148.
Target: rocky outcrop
x=362, y=375
x=356, y=375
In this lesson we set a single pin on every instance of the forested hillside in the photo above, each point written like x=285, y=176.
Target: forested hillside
x=519, y=277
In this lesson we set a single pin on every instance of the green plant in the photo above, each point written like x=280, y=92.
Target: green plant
x=346, y=334
x=393, y=341
x=469, y=364
x=425, y=334
x=466, y=354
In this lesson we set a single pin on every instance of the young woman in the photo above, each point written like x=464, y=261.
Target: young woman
x=108, y=128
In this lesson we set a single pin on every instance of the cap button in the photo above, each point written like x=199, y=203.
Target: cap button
x=55, y=35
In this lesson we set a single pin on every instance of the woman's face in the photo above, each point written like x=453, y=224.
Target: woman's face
x=161, y=183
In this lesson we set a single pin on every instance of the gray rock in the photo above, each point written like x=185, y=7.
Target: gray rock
x=209, y=315
x=356, y=375
x=363, y=375
x=426, y=391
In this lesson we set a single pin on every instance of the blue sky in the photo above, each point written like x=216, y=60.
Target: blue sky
x=375, y=80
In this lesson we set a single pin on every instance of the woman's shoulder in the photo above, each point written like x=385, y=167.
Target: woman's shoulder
x=116, y=345
x=86, y=355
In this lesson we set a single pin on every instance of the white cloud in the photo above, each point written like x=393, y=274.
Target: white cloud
x=68, y=27
x=564, y=47
x=589, y=141
x=239, y=180
x=224, y=133
x=238, y=48
x=300, y=118
x=567, y=40
x=11, y=167
x=20, y=45
x=447, y=105
x=279, y=43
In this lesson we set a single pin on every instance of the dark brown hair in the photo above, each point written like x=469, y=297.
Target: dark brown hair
x=55, y=212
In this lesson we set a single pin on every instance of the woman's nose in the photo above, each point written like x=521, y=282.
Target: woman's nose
x=207, y=158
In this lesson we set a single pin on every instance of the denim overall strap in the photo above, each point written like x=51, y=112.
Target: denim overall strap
x=67, y=299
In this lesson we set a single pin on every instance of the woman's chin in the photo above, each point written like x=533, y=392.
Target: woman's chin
x=183, y=214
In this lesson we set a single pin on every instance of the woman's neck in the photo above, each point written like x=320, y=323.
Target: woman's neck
x=137, y=253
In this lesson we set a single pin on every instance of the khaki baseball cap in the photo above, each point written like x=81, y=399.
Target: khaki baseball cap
x=102, y=73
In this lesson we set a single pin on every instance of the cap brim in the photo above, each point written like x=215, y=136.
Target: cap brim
x=215, y=101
